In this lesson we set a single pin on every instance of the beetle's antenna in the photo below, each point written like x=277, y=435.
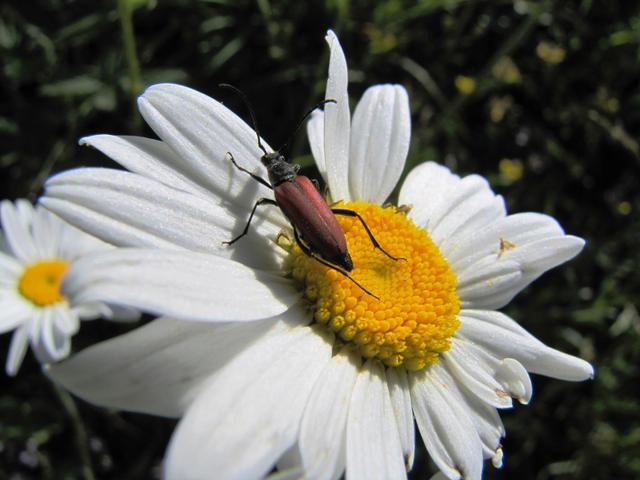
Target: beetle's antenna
x=306, y=115
x=245, y=100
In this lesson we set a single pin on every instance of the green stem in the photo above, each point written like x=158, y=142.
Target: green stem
x=80, y=434
x=129, y=42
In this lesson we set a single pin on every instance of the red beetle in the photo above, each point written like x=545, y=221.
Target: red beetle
x=315, y=227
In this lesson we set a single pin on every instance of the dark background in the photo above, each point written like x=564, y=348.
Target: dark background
x=543, y=98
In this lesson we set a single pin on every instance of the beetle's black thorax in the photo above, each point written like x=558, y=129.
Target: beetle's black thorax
x=278, y=168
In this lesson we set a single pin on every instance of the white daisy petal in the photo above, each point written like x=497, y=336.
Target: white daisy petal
x=471, y=371
x=65, y=324
x=249, y=413
x=178, y=283
x=202, y=131
x=504, y=337
x=67, y=321
x=123, y=208
x=512, y=374
x=90, y=310
x=422, y=188
x=488, y=425
x=123, y=314
x=518, y=229
x=337, y=122
x=54, y=346
x=450, y=202
x=10, y=270
x=37, y=327
x=527, y=227
x=25, y=212
x=49, y=341
x=556, y=364
x=43, y=228
x=315, y=134
x=457, y=197
x=16, y=229
x=490, y=378
x=485, y=376
x=493, y=319
x=542, y=255
x=380, y=135
x=158, y=368
x=127, y=209
x=486, y=272
x=471, y=219
x=373, y=442
x=13, y=312
x=17, y=349
x=480, y=207
x=74, y=243
x=150, y=158
x=495, y=298
x=490, y=284
x=445, y=426
x=289, y=461
x=323, y=427
x=532, y=259
x=420, y=178
x=401, y=401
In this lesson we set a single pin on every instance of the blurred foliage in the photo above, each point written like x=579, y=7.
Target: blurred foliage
x=541, y=97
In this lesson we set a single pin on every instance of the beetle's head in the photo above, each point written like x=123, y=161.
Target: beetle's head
x=271, y=160
x=278, y=168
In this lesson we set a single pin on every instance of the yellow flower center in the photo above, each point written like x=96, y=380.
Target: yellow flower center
x=40, y=282
x=415, y=315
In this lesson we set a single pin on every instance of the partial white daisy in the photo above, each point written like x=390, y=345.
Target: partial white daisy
x=36, y=253
x=327, y=379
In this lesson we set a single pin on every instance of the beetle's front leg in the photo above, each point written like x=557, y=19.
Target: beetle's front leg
x=257, y=178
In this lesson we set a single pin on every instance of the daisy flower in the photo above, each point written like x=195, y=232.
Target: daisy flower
x=324, y=379
x=37, y=250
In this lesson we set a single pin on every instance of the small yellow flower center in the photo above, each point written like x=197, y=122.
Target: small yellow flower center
x=416, y=314
x=40, y=282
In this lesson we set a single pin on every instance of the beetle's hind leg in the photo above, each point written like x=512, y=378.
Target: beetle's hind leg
x=261, y=201
x=351, y=213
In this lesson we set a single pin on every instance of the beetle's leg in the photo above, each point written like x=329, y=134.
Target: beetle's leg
x=253, y=175
x=351, y=213
x=310, y=253
x=316, y=184
x=261, y=201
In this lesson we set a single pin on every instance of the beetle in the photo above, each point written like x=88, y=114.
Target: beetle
x=315, y=226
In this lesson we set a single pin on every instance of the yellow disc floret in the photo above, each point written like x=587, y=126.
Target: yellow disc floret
x=40, y=282
x=412, y=320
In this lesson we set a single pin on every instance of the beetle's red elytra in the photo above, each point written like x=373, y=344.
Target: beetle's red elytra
x=305, y=208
